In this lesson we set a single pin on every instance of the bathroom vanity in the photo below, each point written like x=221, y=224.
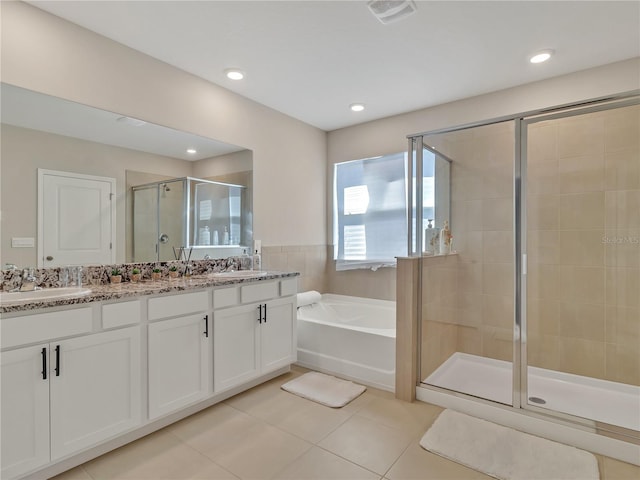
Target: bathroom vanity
x=84, y=375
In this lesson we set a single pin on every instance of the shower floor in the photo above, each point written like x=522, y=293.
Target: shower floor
x=600, y=400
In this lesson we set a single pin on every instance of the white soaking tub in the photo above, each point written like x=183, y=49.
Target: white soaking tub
x=350, y=337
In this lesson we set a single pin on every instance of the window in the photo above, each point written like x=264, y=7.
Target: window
x=370, y=212
x=370, y=209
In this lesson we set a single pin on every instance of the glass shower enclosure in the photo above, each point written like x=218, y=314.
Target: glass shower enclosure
x=538, y=309
x=210, y=218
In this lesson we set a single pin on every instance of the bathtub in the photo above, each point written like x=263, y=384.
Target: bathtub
x=350, y=337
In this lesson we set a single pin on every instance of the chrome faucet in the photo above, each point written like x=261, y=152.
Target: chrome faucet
x=28, y=280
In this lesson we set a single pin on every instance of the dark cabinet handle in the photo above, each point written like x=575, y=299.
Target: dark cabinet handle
x=260, y=313
x=44, y=363
x=57, y=360
x=264, y=318
x=206, y=326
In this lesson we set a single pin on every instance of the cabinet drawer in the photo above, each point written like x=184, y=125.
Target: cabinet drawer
x=174, y=305
x=259, y=291
x=226, y=297
x=288, y=287
x=42, y=327
x=120, y=314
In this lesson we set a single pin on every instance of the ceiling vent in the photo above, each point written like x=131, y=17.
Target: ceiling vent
x=388, y=11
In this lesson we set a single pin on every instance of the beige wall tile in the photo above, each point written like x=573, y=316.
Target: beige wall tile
x=469, y=340
x=623, y=287
x=582, y=320
x=622, y=248
x=581, y=174
x=542, y=178
x=543, y=351
x=497, y=183
x=581, y=247
x=622, y=170
x=543, y=281
x=581, y=211
x=623, y=363
x=497, y=214
x=497, y=343
x=542, y=145
x=622, y=209
x=582, y=284
x=623, y=326
x=543, y=246
x=582, y=357
x=498, y=246
x=498, y=311
x=542, y=212
x=543, y=317
x=622, y=129
x=583, y=135
x=498, y=279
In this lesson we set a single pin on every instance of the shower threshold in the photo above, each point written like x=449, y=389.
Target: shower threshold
x=600, y=400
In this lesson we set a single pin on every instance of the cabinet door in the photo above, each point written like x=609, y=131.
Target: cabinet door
x=278, y=335
x=179, y=363
x=95, y=389
x=235, y=346
x=25, y=410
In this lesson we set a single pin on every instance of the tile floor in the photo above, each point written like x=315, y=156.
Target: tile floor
x=266, y=433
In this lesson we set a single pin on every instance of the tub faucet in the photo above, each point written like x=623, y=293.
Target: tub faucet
x=28, y=280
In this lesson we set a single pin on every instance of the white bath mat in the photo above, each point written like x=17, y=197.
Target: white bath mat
x=325, y=389
x=505, y=453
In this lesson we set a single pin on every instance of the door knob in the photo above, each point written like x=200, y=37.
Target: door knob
x=49, y=257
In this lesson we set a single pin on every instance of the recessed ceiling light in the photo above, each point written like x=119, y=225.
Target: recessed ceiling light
x=234, y=74
x=191, y=151
x=356, y=107
x=542, y=56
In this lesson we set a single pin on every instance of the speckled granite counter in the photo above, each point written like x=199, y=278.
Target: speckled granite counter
x=104, y=292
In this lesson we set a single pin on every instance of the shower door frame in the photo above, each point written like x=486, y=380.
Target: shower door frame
x=520, y=326
x=520, y=340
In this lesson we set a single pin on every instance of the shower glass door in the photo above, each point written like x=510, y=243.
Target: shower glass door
x=581, y=305
x=467, y=306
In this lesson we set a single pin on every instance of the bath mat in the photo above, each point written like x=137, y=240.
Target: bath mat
x=505, y=453
x=325, y=389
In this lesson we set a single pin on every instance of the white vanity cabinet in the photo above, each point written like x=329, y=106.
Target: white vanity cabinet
x=254, y=337
x=25, y=410
x=94, y=387
x=62, y=396
x=179, y=351
x=80, y=380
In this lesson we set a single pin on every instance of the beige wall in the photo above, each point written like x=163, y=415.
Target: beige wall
x=46, y=54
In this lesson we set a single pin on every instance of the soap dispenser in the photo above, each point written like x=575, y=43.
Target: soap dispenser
x=428, y=237
x=445, y=239
x=246, y=260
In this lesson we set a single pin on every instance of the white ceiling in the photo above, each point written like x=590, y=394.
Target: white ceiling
x=312, y=59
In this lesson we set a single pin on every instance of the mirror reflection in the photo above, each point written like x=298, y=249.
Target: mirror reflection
x=44, y=132
x=185, y=214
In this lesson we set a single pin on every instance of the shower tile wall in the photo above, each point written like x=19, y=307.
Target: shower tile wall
x=468, y=298
x=584, y=245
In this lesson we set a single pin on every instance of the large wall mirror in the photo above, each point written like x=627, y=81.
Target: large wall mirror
x=41, y=132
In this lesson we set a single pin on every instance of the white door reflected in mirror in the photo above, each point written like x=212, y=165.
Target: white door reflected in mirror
x=76, y=215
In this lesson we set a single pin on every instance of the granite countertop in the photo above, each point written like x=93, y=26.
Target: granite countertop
x=104, y=292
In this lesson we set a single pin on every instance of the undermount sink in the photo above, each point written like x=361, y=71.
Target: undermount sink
x=239, y=274
x=44, y=294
